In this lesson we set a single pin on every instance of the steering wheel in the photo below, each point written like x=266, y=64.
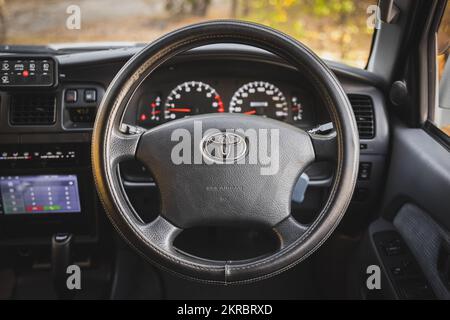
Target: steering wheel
x=229, y=192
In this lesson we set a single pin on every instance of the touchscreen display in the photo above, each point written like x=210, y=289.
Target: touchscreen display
x=39, y=194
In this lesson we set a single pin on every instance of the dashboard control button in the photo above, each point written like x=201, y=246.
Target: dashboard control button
x=71, y=96
x=90, y=95
x=45, y=66
x=365, y=170
x=5, y=79
x=19, y=66
x=5, y=66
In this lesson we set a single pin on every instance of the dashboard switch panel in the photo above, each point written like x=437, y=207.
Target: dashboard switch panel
x=80, y=103
x=27, y=72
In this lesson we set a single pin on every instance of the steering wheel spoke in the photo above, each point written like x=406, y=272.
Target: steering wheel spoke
x=325, y=146
x=123, y=146
x=289, y=231
x=161, y=232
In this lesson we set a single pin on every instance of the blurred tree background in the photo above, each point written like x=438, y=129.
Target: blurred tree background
x=338, y=27
x=335, y=29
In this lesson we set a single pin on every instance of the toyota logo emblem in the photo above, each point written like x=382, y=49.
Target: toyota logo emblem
x=224, y=147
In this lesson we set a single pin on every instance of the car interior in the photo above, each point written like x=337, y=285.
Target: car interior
x=91, y=174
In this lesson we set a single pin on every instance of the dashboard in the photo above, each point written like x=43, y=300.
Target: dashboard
x=46, y=121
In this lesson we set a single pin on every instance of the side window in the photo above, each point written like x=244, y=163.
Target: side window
x=442, y=112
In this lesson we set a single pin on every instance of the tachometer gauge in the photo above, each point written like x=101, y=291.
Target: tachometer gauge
x=192, y=98
x=260, y=98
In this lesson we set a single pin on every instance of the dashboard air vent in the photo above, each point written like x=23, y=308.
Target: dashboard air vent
x=32, y=109
x=364, y=114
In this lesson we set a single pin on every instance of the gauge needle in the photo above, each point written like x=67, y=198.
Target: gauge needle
x=155, y=112
x=181, y=110
x=250, y=112
x=219, y=101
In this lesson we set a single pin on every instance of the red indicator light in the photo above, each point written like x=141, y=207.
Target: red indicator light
x=25, y=73
x=143, y=117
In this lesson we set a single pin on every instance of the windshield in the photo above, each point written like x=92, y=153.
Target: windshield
x=338, y=30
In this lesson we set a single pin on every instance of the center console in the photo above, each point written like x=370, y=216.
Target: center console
x=49, y=215
x=46, y=184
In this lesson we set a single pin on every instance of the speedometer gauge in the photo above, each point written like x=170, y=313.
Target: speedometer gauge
x=190, y=98
x=260, y=98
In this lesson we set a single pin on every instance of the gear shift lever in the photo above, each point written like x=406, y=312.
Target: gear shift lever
x=61, y=244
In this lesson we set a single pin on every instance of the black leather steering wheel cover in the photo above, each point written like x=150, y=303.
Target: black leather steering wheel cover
x=334, y=98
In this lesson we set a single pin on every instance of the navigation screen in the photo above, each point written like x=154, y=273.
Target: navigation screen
x=39, y=194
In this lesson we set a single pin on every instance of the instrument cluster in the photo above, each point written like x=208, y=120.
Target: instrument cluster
x=258, y=98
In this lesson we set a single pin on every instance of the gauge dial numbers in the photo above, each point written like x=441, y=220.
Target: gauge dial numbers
x=260, y=98
x=191, y=98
